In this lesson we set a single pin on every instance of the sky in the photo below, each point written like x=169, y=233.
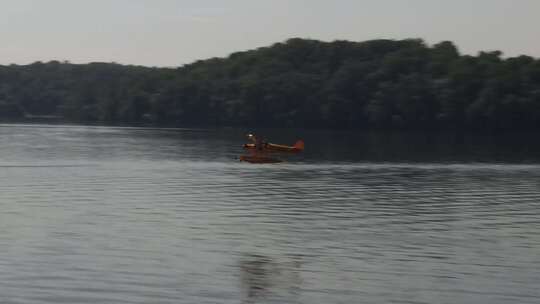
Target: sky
x=176, y=32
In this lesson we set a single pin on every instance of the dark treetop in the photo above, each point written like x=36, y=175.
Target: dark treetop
x=385, y=84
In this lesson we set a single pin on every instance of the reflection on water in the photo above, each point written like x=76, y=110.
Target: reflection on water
x=120, y=215
x=265, y=278
x=256, y=277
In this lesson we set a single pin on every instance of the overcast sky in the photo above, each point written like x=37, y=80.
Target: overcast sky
x=175, y=32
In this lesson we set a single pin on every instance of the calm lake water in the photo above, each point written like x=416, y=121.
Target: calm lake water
x=127, y=215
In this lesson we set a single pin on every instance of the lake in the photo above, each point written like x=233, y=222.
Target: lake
x=131, y=215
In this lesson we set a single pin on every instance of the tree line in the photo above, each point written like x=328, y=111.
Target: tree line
x=377, y=84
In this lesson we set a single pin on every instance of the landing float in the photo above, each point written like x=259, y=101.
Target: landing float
x=259, y=159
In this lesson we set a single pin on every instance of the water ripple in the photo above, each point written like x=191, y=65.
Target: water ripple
x=121, y=224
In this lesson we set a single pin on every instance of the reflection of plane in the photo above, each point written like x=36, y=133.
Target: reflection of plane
x=255, y=277
x=263, y=277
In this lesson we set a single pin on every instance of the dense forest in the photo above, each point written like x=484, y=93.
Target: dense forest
x=390, y=84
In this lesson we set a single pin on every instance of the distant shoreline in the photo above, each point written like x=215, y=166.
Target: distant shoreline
x=300, y=83
x=431, y=133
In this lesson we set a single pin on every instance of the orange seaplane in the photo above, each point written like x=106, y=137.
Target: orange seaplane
x=259, y=150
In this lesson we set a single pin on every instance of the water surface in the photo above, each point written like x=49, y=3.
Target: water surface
x=128, y=215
